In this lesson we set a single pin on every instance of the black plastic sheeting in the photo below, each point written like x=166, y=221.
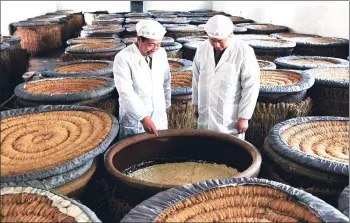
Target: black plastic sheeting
x=20, y=91
x=34, y=190
x=173, y=47
x=186, y=39
x=279, y=146
x=150, y=209
x=268, y=66
x=329, y=82
x=70, y=165
x=117, y=48
x=306, y=82
x=284, y=62
x=102, y=72
x=343, y=201
x=54, y=181
x=75, y=41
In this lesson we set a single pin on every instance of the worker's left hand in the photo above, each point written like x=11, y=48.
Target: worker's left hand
x=242, y=125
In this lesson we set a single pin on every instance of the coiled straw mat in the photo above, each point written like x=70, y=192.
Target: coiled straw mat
x=234, y=200
x=28, y=204
x=43, y=141
x=321, y=142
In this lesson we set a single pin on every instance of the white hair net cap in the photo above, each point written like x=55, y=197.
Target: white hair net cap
x=150, y=29
x=219, y=26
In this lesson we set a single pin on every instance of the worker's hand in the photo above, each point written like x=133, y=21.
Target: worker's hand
x=242, y=125
x=196, y=111
x=149, y=126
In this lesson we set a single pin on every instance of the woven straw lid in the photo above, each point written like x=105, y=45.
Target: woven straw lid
x=82, y=67
x=28, y=204
x=181, y=72
x=65, y=89
x=82, y=40
x=321, y=142
x=48, y=140
x=284, y=81
x=265, y=27
x=270, y=43
x=95, y=48
x=188, y=28
x=234, y=200
x=323, y=139
x=292, y=35
x=279, y=78
x=264, y=64
x=331, y=74
x=253, y=36
x=309, y=62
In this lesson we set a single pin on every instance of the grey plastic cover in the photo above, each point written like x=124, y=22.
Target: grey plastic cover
x=150, y=209
x=70, y=165
x=343, y=201
x=283, y=149
x=53, y=181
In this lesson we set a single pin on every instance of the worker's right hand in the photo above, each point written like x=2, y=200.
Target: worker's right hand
x=149, y=126
x=196, y=111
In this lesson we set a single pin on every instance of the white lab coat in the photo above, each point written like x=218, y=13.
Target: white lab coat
x=228, y=91
x=142, y=91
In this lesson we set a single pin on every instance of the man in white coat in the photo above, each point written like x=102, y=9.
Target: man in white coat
x=142, y=78
x=226, y=79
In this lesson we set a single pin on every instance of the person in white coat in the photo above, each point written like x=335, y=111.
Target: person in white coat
x=142, y=78
x=226, y=79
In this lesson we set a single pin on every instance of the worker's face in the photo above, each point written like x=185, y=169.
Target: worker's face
x=149, y=46
x=219, y=44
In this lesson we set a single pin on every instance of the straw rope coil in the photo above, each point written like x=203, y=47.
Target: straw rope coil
x=29, y=204
x=322, y=139
x=38, y=141
x=279, y=78
x=64, y=86
x=81, y=67
x=239, y=204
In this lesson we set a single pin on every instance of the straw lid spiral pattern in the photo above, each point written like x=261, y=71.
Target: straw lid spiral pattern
x=234, y=200
x=28, y=204
x=321, y=142
x=43, y=141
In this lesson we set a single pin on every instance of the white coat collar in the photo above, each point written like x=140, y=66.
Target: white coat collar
x=230, y=48
x=140, y=58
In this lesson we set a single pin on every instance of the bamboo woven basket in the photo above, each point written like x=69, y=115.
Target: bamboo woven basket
x=330, y=92
x=102, y=51
x=28, y=204
x=234, y=200
x=38, y=37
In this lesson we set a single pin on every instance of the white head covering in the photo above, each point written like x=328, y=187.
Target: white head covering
x=219, y=26
x=150, y=29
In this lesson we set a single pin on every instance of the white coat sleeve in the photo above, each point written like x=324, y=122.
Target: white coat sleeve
x=250, y=82
x=195, y=79
x=167, y=86
x=127, y=96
